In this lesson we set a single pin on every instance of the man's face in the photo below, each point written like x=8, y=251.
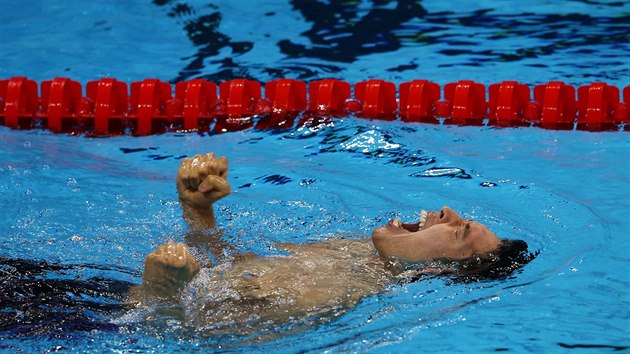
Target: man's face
x=442, y=234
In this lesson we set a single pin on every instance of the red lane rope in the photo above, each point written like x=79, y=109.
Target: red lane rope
x=110, y=107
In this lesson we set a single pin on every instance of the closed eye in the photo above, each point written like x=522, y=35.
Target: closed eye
x=467, y=228
x=464, y=230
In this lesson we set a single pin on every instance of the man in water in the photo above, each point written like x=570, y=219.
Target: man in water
x=311, y=279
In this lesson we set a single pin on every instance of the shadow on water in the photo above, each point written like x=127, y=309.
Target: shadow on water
x=45, y=299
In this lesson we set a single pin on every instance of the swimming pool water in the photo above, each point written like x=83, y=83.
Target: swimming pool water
x=577, y=42
x=93, y=208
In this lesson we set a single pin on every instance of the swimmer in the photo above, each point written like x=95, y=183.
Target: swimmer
x=315, y=279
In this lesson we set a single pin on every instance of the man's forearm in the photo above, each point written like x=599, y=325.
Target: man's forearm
x=199, y=218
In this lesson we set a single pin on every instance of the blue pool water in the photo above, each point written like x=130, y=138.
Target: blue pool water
x=80, y=214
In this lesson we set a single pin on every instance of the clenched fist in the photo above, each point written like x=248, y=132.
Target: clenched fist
x=201, y=181
x=168, y=269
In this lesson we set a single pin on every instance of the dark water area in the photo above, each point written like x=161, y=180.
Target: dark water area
x=51, y=300
x=341, y=32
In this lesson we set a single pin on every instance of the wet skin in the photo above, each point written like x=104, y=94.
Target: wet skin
x=445, y=234
x=312, y=277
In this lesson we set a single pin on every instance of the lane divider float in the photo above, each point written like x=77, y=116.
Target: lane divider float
x=111, y=107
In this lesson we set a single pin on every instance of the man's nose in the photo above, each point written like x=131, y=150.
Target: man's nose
x=448, y=215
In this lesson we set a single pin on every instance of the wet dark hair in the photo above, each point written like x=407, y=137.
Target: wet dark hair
x=499, y=264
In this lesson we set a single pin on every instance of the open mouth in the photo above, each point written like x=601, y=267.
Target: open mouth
x=413, y=227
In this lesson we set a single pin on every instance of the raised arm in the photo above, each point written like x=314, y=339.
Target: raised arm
x=201, y=181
